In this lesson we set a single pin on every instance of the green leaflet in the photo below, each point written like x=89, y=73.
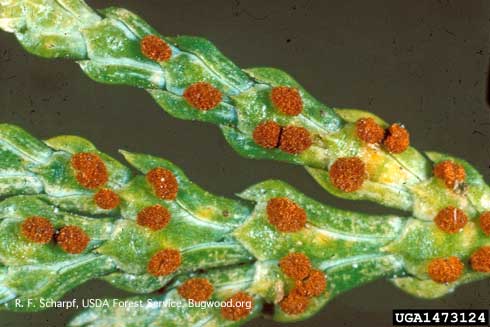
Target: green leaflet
x=423, y=241
x=344, y=276
x=215, y=60
x=427, y=289
x=17, y=208
x=254, y=107
x=202, y=204
x=17, y=141
x=323, y=216
x=376, y=192
x=83, y=204
x=432, y=195
x=331, y=234
x=390, y=176
x=133, y=22
x=36, y=285
x=227, y=282
x=179, y=108
x=134, y=283
x=85, y=15
x=60, y=182
x=315, y=116
x=475, y=190
x=196, y=243
x=11, y=185
x=245, y=146
x=119, y=174
x=11, y=16
x=18, y=251
x=18, y=151
x=179, y=79
x=60, y=25
x=115, y=58
x=411, y=160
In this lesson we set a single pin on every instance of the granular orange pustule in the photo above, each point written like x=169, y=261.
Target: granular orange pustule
x=37, y=229
x=106, y=199
x=163, y=182
x=397, y=139
x=480, y=259
x=450, y=172
x=197, y=289
x=451, y=219
x=267, y=134
x=154, y=217
x=314, y=285
x=72, y=239
x=155, y=48
x=294, y=139
x=241, y=306
x=294, y=303
x=296, y=265
x=164, y=262
x=203, y=96
x=485, y=222
x=445, y=270
x=369, y=130
x=287, y=100
x=91, y=171
x=348, y=174
x=285, y=215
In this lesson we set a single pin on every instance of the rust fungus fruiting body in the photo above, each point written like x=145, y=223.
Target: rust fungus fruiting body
x=445, y=270
x=164, y=262
x=290, y=139
x=72, y=239
x=91, y=171
x=154, y=217
x=241, y=306
x=37, y=229
x=203, y=96
x=485, y=222
x=285, y=215
x=314, y=285
x=451, y=219
x=287, y=100
x=369, y=130
x=348, y=174
x=294, y=303
x=397, y=139
x=294, y=139
x=163, y=182
x=267, y=134
x=106, y=199
x=197, y=289
x=296, y=266
x=451, y=173
x=155, y=48
x=480, y=259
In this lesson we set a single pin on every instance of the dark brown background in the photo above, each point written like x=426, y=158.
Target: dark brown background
x=423, y=63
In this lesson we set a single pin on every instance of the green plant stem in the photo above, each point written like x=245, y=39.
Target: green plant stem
x=106, y=45
x=231, y=243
